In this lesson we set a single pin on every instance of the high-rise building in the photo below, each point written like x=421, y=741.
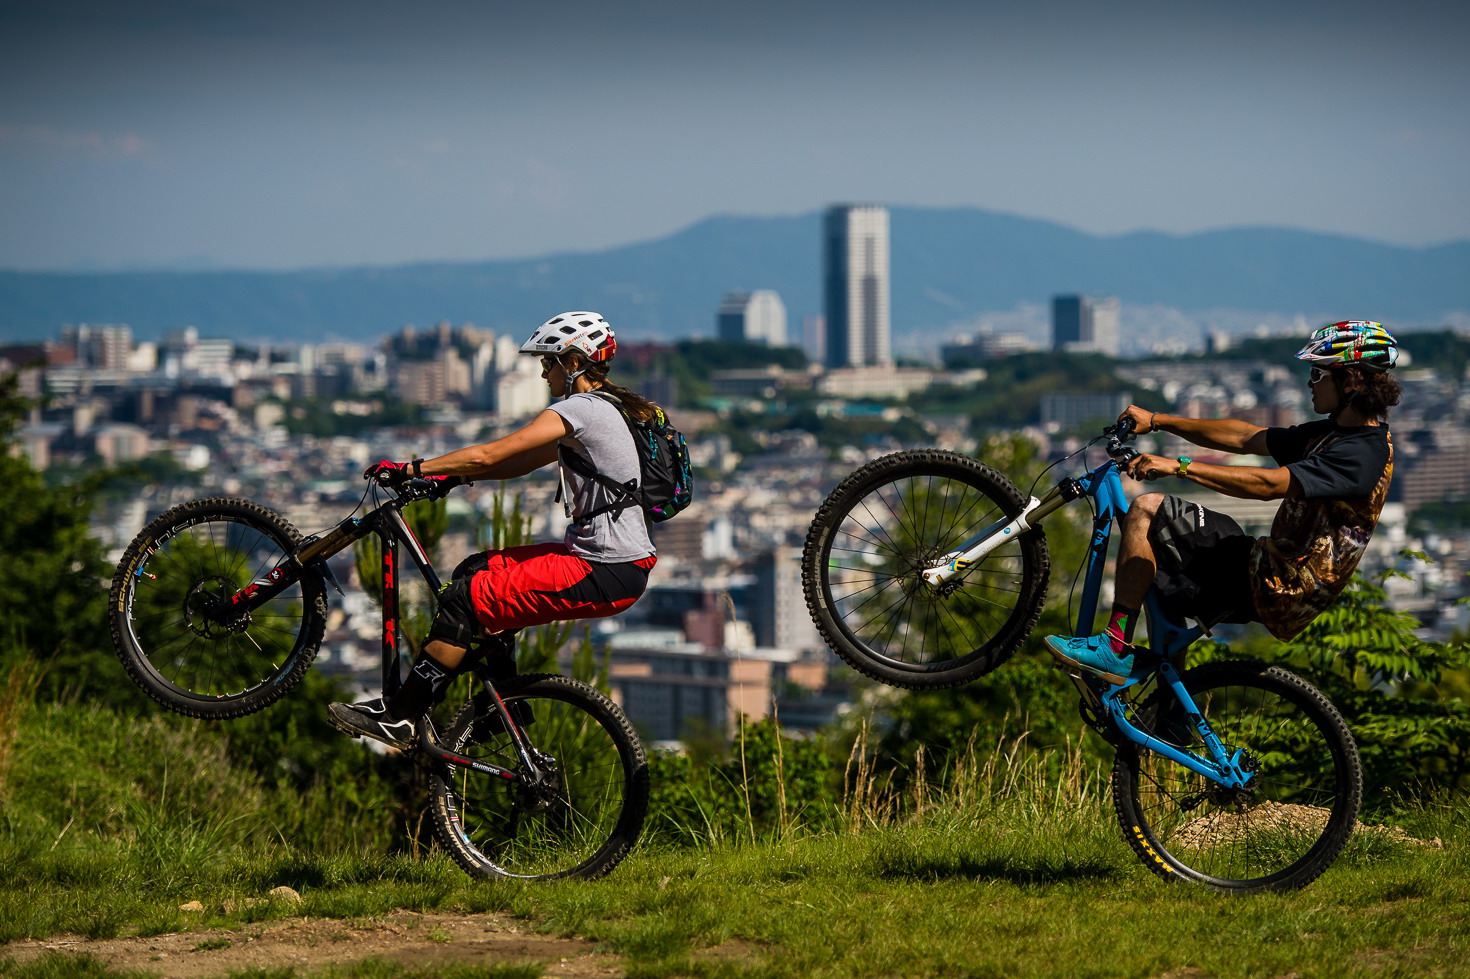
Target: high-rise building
x=752, y=317
x=104, y=347
x=778, y=610
x=855, y=269
x=1085, y=324
x=814, y=338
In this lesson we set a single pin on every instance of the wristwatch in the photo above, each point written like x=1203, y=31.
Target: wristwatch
x=417, y=471
x=1183, y=469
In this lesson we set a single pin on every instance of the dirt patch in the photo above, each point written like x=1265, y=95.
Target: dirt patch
x=1219, y=829
x=419, y=940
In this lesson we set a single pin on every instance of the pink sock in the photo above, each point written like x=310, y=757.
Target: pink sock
x=1119, y=627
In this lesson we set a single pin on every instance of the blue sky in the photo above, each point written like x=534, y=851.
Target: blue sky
x=288, y=135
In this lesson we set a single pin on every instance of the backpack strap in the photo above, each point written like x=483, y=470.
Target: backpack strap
x=625, y=494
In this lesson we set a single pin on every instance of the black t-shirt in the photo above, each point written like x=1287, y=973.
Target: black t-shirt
x=1347, y=463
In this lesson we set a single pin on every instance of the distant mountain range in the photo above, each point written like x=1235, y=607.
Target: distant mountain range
x=948, y=265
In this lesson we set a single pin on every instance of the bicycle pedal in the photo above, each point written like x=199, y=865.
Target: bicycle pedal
x=342, y=728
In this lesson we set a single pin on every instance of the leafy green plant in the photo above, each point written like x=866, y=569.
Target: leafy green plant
x=764, y=785
x=17, y=693
x=53, y=606
x=1404, y=697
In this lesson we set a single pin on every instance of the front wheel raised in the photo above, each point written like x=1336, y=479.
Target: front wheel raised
x=880, y=529
x=171, y=622
x=1277, y=833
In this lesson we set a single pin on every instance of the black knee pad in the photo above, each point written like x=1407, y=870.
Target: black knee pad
x=456, y=622
x=471, y=565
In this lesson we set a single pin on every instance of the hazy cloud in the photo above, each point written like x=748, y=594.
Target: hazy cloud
x=99, y=145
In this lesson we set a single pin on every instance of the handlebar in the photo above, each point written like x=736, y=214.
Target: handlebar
x=421, y=488
x=1119, y=436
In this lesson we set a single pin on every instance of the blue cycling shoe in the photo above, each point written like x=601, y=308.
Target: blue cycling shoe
x=1095, y=655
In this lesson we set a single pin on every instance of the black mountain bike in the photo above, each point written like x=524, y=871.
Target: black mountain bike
x=218, y=608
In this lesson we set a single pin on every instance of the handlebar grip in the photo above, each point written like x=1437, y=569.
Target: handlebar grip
x=434, y=487
x=1124, y=428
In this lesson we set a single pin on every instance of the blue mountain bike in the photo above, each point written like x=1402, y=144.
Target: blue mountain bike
x=927, y=569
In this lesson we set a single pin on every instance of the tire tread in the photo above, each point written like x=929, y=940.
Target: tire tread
x=838, y=502
x=314, y=611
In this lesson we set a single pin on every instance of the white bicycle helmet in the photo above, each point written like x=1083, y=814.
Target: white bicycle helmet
x=1357, y=343
x=587, y=333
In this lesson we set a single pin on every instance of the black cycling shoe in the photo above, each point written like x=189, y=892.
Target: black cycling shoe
x=372, y=720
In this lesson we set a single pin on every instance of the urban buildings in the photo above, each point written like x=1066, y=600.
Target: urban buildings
x=855, y=286
x=752, y=317
x=1085, y=324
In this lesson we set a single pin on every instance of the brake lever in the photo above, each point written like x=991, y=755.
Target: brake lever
x=433, y=489
x=1118, y=435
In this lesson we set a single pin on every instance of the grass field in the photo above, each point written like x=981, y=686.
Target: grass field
x=112, y=827
x=983, y=893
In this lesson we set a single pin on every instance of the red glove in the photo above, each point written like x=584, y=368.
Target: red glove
x=388, y=473
x=395, y=474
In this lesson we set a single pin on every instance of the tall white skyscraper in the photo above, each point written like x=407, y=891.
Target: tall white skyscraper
x=752, y=317
x=855, y=267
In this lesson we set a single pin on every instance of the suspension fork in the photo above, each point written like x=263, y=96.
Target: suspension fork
x=310, y=558
x=388, y=547
x=976, y=548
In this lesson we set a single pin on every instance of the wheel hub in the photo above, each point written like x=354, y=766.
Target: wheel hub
x=541, y=795
x=1238, y=798
x=204, y=604
x=917, y=589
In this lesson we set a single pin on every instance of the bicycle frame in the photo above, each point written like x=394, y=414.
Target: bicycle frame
x=393, y=531
x=1168, y=638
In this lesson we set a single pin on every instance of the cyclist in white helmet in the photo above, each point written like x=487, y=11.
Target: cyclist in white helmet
x=599, y=568
x=1331, y=475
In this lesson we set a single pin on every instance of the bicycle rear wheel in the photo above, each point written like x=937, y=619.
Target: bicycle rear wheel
x=581, y=822
x=1280, y=832
x=169, y=625
x=884, y=525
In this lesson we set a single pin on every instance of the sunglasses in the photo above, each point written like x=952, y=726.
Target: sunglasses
x=547, y=363
x=1317, y=374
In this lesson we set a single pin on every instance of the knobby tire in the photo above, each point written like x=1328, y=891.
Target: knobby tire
x=182, y=565
x=583, y=825
x=1279, y=836
x=879, y=529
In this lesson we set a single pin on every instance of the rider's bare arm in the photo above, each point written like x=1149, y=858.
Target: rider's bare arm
x=1221, y=434
x=1244, y=482
x=520, y=452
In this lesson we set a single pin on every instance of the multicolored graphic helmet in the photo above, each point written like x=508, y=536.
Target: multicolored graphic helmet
x=1357, y=343
x=587, y=333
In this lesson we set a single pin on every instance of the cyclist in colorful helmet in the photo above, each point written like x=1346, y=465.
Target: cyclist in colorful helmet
x=599, y=568
x=1331, y=475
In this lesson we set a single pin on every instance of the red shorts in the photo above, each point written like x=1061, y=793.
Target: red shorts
x=540, y=583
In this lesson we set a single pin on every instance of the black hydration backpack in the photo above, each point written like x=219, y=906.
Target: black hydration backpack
x=666, y=483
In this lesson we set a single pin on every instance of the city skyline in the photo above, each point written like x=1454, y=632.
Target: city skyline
x=272, y=135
